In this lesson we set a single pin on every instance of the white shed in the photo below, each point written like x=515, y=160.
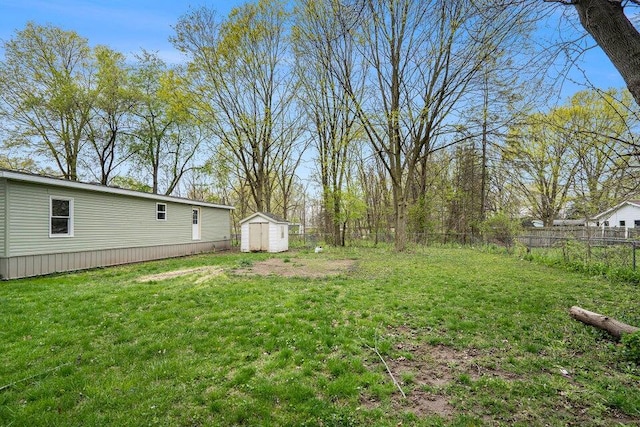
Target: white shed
x=264, y=232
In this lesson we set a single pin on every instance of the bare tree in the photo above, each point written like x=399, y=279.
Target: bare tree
x=606, y=22
x=244, y=85
x=423, y=60
x=321, y=45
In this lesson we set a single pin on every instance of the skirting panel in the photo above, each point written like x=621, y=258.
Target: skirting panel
x=37, y=265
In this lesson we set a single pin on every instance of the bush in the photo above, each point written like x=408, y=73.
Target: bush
x=500, y=229
x=631, y=347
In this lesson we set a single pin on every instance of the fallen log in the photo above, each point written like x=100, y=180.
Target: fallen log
x=600, y=321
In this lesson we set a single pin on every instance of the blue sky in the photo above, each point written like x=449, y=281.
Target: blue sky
x=128, y=26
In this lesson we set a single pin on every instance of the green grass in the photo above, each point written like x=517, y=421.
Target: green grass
x=100, y=348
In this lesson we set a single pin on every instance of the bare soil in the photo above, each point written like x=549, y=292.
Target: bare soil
x=295, y=267
x=425, y=373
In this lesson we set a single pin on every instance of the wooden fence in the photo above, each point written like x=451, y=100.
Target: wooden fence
x=553, y=236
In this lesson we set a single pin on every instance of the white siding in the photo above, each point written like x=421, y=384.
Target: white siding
x=244, y=237
x=278, y=243
x=627, y=213
x=102, y=221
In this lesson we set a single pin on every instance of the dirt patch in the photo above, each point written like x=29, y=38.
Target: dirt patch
x=425, y=373
x=295, y=267
x=203, y=273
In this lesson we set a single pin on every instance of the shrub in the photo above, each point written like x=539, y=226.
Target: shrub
x=631, y=347
x=500, y=229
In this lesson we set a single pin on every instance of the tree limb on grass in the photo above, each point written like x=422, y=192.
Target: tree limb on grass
x=600, y=321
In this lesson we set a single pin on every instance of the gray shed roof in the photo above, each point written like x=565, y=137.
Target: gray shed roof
x=58, y=182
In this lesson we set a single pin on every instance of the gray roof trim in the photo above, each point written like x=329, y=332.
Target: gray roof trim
x=57, y=182
x=268, y=217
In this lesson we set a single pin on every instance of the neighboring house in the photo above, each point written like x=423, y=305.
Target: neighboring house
x=626, y=214
x=51, y=225
x=264, y=232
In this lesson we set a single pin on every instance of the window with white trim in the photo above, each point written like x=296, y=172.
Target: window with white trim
x=161, y=211
x=60, y=216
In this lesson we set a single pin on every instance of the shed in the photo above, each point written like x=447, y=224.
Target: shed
x=264, y=232
x=50, y=225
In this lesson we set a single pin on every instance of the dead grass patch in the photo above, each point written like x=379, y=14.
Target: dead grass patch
x=203, y=273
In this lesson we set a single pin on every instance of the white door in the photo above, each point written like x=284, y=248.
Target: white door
x=258, y=236
x=195, y=227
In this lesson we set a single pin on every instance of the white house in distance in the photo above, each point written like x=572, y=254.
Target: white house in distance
x=626, y=214
x=50, y=225
x=264, y=232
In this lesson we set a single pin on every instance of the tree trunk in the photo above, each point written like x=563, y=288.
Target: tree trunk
x=401, y=224
x=615, y=34
x=613, y=326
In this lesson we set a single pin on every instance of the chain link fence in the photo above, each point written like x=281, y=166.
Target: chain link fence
x=602, y=248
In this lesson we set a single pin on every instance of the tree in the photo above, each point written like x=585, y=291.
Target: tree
x=423, y=59
x=320, y=44
x=607, y=23
x=604, y=123
x=244, y=86
x=166, y=135
x=45, y=86
x=114, y=101
x=465, y=203
x=542, y=160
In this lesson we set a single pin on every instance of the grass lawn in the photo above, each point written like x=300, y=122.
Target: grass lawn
x=471, y=338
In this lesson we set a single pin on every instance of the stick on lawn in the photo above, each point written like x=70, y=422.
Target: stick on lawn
x=4, y=387
x=389, y=371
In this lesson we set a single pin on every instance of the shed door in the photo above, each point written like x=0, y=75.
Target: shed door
x=259, y=236
x=195, y=224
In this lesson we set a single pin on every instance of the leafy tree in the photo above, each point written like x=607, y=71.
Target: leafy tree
x=113, y=105
x=130, y=183
x=166, y=135
x=604, y=124
x=501, y=228
x=45, y=86
x=540, y=154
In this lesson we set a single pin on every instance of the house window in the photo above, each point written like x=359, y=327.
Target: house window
x=161, y=211
x=606, y=223
x=636, y=223
x=622, y=223
x=60, y=217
